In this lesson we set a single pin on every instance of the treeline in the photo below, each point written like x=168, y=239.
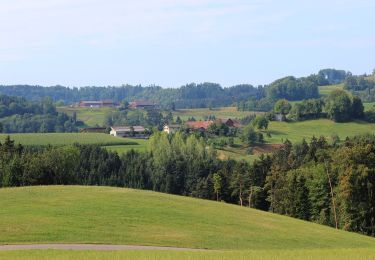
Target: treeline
x=327, y=183
x=292, y=89
x=193, y=95
x=339, y=106
x=189, y=96
x=17, y=115
x=362, y=86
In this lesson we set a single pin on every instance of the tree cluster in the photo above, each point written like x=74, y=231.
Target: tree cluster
x=18, y=115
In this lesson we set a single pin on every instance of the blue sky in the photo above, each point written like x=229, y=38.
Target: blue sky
x=174, y=42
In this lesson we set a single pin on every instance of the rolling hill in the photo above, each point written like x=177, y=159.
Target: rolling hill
x=105, y=215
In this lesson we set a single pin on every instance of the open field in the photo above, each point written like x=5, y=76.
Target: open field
x=344, y=254
x=222, y=112
x=77, y=214
x=369, y=106
x=81, y=214
x=112, y=143
x=90, y=116
x=326, y=90
x=295, y=131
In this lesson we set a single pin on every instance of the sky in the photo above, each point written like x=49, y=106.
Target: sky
x=175, y=42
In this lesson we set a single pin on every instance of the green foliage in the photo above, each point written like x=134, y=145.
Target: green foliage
x=282, y=106
x=260, y=122
x=217, y=184
x=291, y=88
x=250, y=136
x=307, y=109
x=333, y=76
x=20, y=116
x=340, y=107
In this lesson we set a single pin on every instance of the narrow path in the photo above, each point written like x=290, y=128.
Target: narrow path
x=92, y=247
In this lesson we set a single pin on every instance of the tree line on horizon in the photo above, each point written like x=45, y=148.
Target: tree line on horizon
x=204, y=95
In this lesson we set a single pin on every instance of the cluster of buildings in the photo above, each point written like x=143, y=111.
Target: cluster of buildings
x=98, y=104
x=138, y=104
x=143, y=133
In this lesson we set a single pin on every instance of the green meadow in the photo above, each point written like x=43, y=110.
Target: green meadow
x=90, y=116
x=58, y=139
x=106, y=215
x=296, y=131
x=342, y=254
x=222, y=112
x=326, y=90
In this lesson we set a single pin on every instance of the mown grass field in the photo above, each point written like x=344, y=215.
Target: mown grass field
x=222, y=112
x=57, y=139
x=326, y=90
x=90, y=116
x=77, y=214
x=295, y=131
x=342, y=254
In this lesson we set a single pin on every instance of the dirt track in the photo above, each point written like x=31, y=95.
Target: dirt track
x=92, y=247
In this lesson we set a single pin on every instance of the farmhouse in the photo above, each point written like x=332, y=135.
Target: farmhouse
x=229, y=122
x=97, y=104
x=143, y=104
x=129, y=131
x=199, y=125
x=170, y=129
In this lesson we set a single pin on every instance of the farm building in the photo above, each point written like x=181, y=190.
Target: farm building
x=97, y=104
x=143, y=104
x=199, y=125
x=204, y=125
x=129, y=131
x=229, y=122
x=170, y=129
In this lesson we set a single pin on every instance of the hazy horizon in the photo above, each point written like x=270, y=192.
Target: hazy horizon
x=171, y=43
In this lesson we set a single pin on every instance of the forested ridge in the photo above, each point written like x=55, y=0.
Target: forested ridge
x=192, y=95
x=18, y=115
x=328, y=183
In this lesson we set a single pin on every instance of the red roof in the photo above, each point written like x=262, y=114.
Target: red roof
x=199, y=124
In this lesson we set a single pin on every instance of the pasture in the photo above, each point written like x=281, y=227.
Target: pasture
x=83, y=214
x=326, y=90
x=222, y=112
x=296, y=131
x=90, y=116
x=105, y=215
x=327, y=254
x=59, y=139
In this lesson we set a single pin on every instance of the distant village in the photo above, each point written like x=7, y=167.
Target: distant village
x=141, y=132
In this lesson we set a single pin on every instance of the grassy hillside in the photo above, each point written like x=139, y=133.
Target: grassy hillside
x=295, y=131
x=76, y=214
x=342, y=254
x=326, y=90
x=110, y=142
x=90, y=116
x=222, y=112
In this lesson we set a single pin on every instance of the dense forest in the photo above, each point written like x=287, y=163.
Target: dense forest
x=247, y=97
x=328, y=183
x=17, y=115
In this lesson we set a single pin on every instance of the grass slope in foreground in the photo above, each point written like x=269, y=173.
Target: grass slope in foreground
x=76, y=214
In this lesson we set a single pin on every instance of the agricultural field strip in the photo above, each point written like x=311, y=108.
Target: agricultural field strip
x=96, y=247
